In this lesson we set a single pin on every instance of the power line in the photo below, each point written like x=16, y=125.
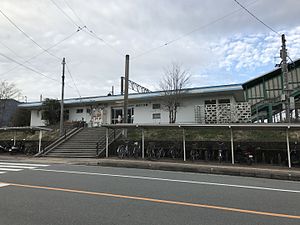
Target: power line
x=189, y=33
x=73, y=80
x=255, y=17
x=35, y=56
x=31, y=69
x=73, y=11
x=14, y=52
x=88, y=31
x=27, y=67
x=26, y=35
x=94, y=35
x=66, y=15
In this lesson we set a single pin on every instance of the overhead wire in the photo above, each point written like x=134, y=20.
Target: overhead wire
x=11, y=50
x=255, y=17
x=37, y=44
x=26, y=35
x=65, y=14
x=84, y=26
x=188, y=33
x=73, y=11
x=94, y=35
x=27, y=67
x=69, y=72
x=35, y=56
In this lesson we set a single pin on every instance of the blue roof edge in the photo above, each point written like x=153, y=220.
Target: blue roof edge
x=115, y=97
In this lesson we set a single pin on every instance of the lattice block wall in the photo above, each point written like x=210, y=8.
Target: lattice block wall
x=224, y=113
x=242, y=112
x=211, y=113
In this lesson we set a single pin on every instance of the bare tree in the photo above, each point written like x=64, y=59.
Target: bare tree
x=172, y=85
x=8, y=90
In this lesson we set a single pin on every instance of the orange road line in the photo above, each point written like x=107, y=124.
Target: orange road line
x=160, y=201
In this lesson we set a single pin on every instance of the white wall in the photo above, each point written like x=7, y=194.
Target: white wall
x=36, y=118
x=143, y=111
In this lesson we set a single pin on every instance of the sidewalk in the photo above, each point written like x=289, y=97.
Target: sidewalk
x=262, y=171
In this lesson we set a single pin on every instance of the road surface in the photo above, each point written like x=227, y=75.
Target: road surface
x=37, y=194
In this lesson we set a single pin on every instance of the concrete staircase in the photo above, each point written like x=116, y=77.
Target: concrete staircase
x=81, y=145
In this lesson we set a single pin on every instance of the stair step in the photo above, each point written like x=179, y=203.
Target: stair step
x=81, y=145
x=71, y=156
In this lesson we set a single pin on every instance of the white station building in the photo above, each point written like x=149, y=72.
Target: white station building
x=205, y=105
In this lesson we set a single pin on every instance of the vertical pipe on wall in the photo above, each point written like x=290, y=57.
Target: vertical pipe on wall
x=143, y=144
x=288, y=147
x=232, y=146
x=106, y=146
x=183, y=140
x=40, y=140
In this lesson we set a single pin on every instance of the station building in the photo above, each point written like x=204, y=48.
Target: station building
x=214, y=104
x=265, y=94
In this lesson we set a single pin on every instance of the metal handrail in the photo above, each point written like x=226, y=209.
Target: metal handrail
x=59, y=141
x=112, y=136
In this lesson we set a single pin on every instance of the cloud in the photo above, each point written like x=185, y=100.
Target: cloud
x=227, y=44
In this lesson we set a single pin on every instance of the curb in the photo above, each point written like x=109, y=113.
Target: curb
x=208, y=169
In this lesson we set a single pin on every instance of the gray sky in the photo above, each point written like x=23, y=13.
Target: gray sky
x=217, y=41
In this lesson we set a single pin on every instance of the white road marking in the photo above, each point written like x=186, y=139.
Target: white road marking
x=10, y=169
x=3, y=185
x=18, y=167
x=22, y=164
x=172, y=180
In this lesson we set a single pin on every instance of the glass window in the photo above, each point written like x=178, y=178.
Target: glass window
x=211, y=101
x=257, y=91
x=156, y=106
x=156, y=116
x=224, y=101
x=79, y=110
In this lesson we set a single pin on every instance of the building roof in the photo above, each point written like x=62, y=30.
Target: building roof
x=270, y=74
x=140, y=96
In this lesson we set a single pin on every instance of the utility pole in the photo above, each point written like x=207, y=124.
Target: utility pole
x=284, y=69
x=61, y=123
x=125, y=116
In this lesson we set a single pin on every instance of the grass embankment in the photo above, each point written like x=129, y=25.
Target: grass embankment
x=29, y=135
x=208, y=134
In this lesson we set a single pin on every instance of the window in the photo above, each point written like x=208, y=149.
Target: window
x=88, y=111
x=207, y=102
x=66, y=114
x=224, y=101
x=156, y=116
x=79, y=110
x=141, y=105
x=155, y=106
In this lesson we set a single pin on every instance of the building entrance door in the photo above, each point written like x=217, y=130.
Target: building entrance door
x=117, y=115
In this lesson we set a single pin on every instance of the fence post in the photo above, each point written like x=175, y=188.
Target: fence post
x=143, y=144
x=232, y=146
x=288, y=146
x=183, y=140
x=106, y=148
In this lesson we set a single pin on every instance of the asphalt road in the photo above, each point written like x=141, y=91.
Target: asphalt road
x=68, y=194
